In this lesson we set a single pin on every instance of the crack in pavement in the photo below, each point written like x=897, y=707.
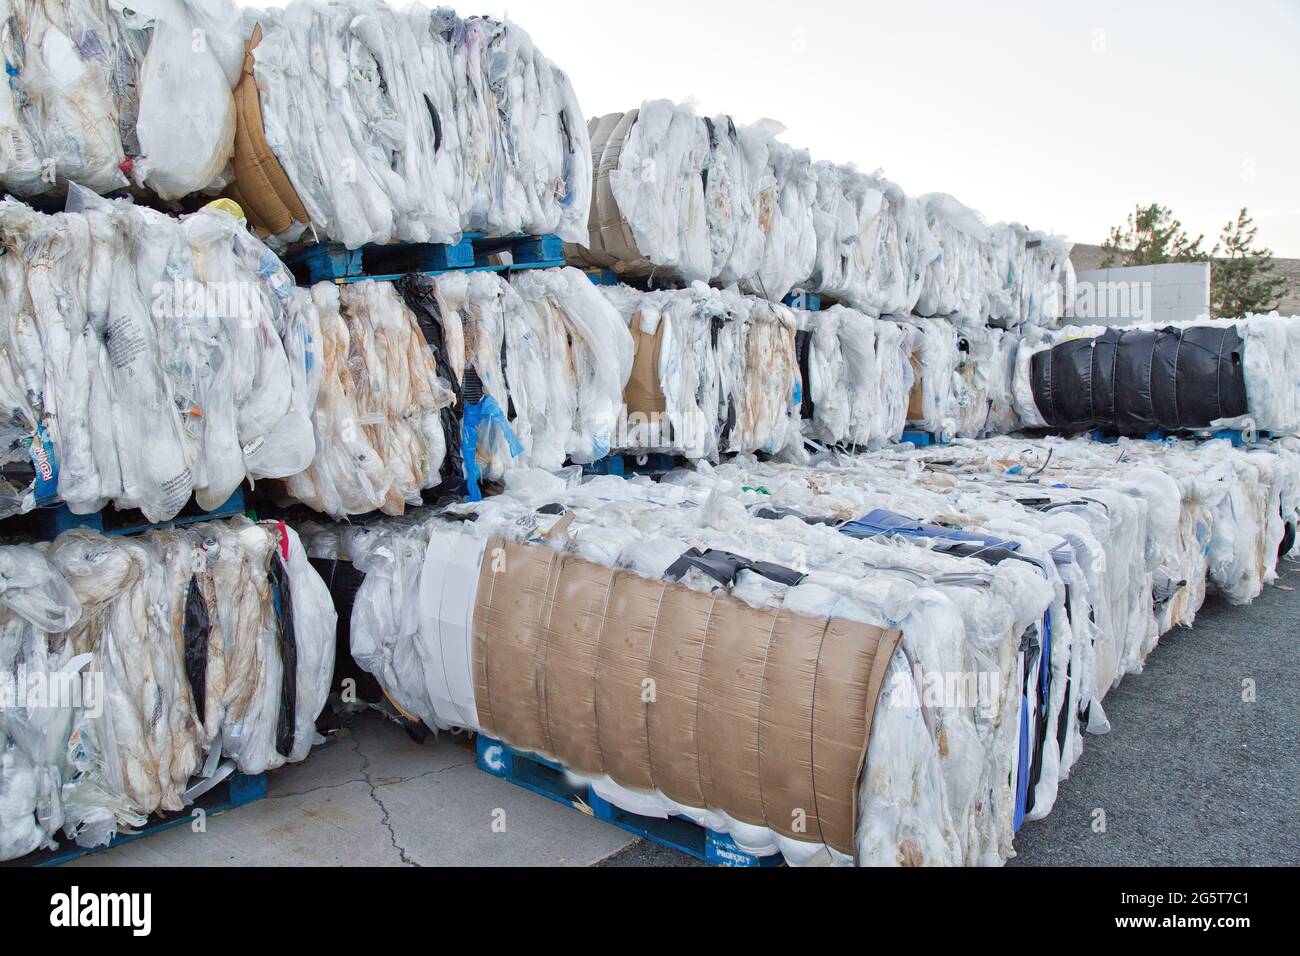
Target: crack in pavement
x=374, y=795
x=382, y=782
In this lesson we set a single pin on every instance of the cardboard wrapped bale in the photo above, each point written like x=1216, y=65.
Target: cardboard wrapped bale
x=764, y=714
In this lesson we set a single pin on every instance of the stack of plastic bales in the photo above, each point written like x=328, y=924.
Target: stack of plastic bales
x=1037, y=573
x=131, y=666
x=844, y=378
x=706, y=200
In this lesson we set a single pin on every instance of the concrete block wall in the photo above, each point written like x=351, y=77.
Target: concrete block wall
x=1162, y=294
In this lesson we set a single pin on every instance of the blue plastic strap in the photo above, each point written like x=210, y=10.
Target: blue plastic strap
x=482, y=414
x=1022, y=766
x=881, y=522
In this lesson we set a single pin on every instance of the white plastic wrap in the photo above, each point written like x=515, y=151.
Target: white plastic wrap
x=35, y=604
x=186, y=119
x=592, y=348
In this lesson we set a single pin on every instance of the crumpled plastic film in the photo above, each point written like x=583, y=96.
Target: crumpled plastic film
x=379, y=437
x=593, y=346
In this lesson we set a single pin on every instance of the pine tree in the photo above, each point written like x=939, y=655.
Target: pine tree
x=1242, y=281
x=1151, y=236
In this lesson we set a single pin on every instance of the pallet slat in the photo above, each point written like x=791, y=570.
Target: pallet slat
x=922, y=439
x=1234, y=435
x=550, y=780
x=54, y=521
x=624, y=464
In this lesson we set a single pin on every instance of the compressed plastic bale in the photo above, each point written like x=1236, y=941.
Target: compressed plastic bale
x=725, y=821
x=954, y=283
x=178, y=328
x=896, y=378
x=659, y=186
x=784, y=213
x=494, y=715
x=69, y=109
x=873, y=245
x=611, y=234
x=734, y=235
x=346, y=475
x=190, y=653
x=935, y=356
x=595, y=343
x=673, y=394
x=761, y=382
x=261, y=187
x=437, y=125
x=483, y=320
x=1135, y=381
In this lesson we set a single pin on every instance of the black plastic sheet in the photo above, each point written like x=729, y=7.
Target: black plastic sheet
x=286, y=719
x=198, y=627
x=1133, y=382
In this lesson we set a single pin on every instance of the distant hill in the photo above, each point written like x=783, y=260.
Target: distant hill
x=1089, y=257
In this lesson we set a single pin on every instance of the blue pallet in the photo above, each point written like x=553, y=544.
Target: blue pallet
x=59, y=519
x=922, y=439
x=386, y=262
x=603, y=276
x=806, y=301
x=545, y=777
x=1233, y=435
x=235, y=791
x=624, y=464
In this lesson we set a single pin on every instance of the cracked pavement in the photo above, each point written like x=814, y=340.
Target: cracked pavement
x=371, y=796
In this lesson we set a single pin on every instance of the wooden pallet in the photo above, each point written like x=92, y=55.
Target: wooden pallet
x=552, y=781
x=236, y=790
x=385, y=262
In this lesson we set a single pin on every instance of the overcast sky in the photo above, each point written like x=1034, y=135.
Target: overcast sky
x=1061, y=116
